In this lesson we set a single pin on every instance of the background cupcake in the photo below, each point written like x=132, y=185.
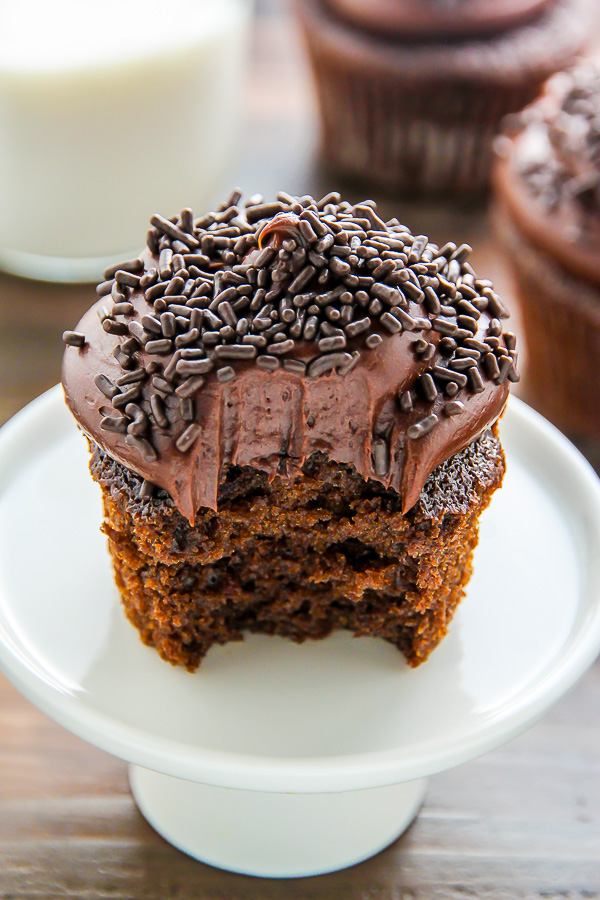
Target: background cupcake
x=547, y=184
x=412, y=93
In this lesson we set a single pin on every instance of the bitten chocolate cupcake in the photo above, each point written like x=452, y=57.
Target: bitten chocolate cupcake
x=291, y=411
x=412, y=92
x=547, y=182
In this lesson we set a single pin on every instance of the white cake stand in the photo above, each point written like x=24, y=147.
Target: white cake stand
x=276, y=759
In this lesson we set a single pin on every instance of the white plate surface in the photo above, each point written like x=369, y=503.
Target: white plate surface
x=267, y=714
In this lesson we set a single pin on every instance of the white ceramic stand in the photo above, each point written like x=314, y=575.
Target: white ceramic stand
x=278, y=759
x=275, y=835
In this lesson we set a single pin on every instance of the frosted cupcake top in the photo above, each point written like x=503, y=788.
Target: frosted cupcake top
x=259, y=335
x=439, y=18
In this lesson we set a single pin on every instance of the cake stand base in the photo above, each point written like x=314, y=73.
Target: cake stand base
x=315, y=746
x=275, y=835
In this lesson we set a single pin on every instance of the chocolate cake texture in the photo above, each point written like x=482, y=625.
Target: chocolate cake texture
x=291, y=408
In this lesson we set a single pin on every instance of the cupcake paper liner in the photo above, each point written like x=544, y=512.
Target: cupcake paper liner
x=415, y=145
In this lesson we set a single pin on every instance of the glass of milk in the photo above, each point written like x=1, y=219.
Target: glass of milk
x=111, y=110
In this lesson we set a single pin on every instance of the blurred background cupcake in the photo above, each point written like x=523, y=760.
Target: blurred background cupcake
x=412, y=92
x=547, y=182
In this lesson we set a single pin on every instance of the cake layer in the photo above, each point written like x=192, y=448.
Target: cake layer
x=299, y=556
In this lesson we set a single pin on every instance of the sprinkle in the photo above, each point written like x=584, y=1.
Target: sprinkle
x=174, y=231
x=123, y=309
x=190, y=386
x=73, y=338
x=427, y=385
x=381, y=457
x=453, y=407
x=353, y=329
x=129, y=265
x=106, y=386
x=475, y=380
x=112, y=327
x=415, y=293
x=160, y=384
x=160, y=347
x=268, y=363
x=281, y=348
x=104, y=288
x=187, y=438
x=127, y=278
x=513, y=374
x=263, y=211
x=505, y=365
x=443, y=327
x=114, y=424
x=187, y=338
x=419, y=429
x=444, y=374
x=405, y=401
x=132, y=377
x=120, y=401
x=461, y=365
x=187, y=367
x=225, y=374
x=139, y=423
x=407, y=322
x=326, y=363
x=236, y=351
x=431, y=301
x=302, y=279
x=490, y=365
x=461, y=253
x=158, y=411
x=337, y=342
x=418, y=246
x=297, y=366
x=390, y=322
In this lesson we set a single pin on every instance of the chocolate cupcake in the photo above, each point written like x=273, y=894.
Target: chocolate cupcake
x=291, y=411
x=412, y=92
x=547, y=188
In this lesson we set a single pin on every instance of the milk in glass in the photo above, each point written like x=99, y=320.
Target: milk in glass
x=110, y=111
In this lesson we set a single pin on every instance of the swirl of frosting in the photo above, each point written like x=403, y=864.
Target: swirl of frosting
x=258, y=338
x=548, y=169
x=439, y=18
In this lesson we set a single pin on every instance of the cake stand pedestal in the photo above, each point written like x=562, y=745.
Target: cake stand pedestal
x=278, y=759
x=275, y=835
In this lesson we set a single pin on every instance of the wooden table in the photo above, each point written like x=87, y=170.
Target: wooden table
x=523, y=822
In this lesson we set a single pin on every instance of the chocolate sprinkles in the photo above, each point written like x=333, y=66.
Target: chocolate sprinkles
x=252, y=286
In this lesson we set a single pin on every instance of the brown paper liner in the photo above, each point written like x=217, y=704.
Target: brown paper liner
x=414, y=145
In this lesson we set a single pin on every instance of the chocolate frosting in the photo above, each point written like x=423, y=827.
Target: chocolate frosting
x=548, y=170
x=426, y=19
x=355, y=413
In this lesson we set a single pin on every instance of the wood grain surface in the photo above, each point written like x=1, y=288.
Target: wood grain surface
x=522, y=822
